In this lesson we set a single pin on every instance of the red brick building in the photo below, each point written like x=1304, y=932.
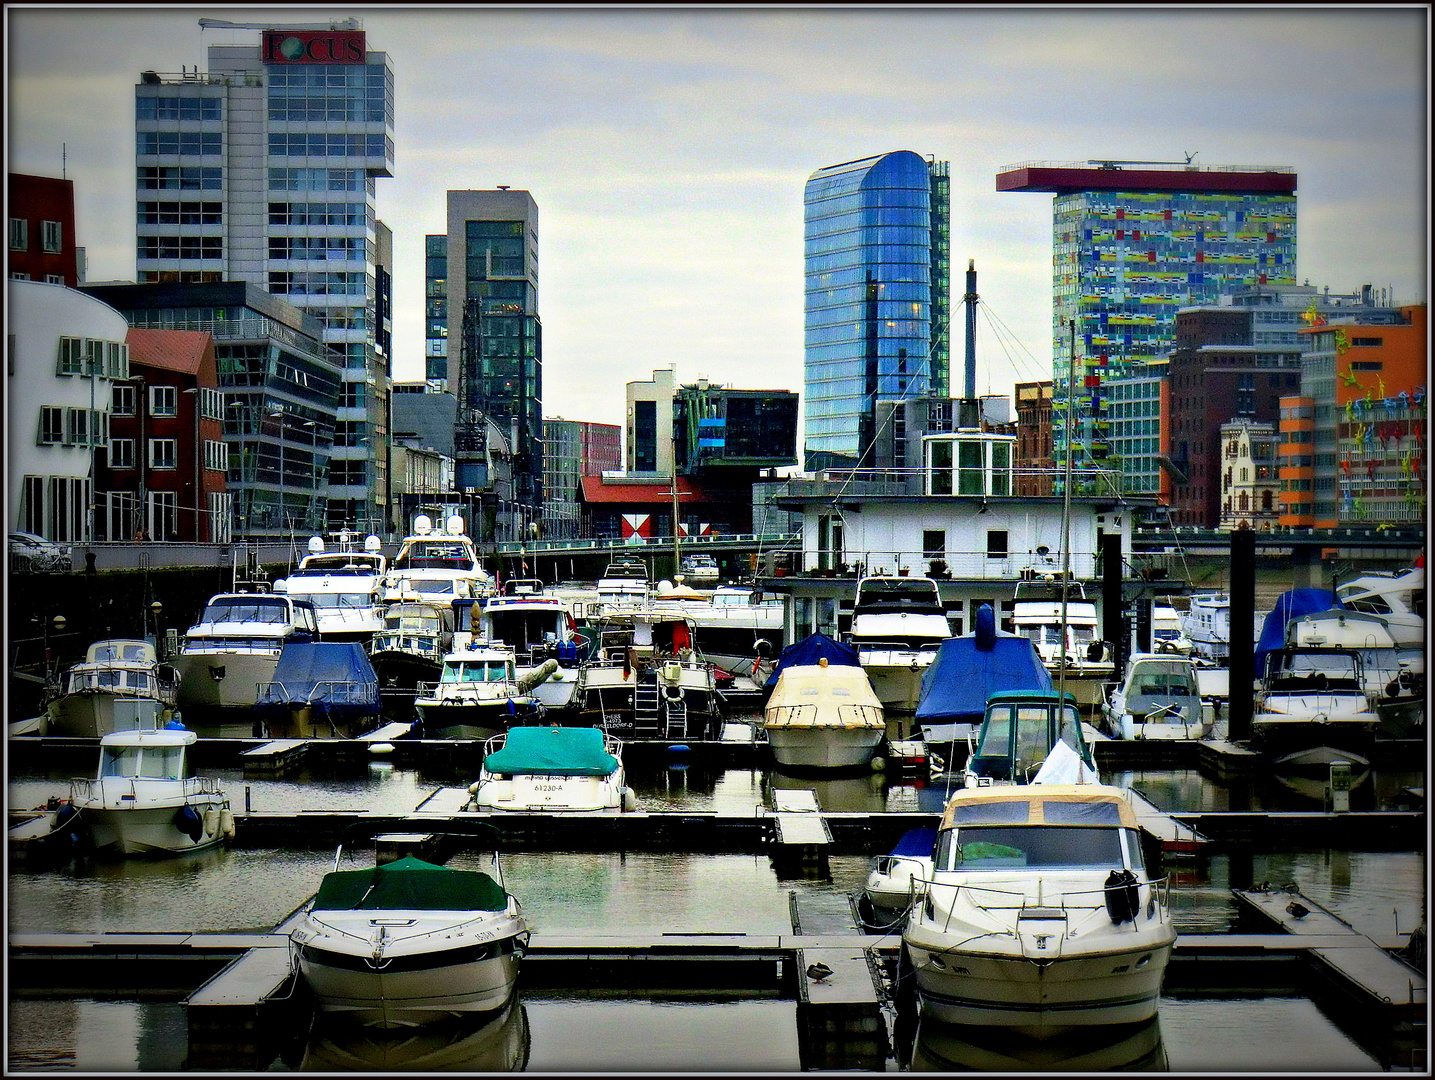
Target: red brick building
x=42, y=229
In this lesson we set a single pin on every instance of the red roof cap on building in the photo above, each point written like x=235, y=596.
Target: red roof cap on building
x=171, y=350
x=595, y=490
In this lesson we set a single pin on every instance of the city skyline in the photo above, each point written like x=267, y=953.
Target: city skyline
x=668, y=149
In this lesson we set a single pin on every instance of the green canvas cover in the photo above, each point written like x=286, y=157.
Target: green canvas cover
x=552, y=751
x=409, y=884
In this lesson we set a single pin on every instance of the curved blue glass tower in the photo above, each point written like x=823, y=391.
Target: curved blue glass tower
x=877, y=274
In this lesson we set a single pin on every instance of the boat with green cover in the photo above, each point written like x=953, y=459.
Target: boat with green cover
x=544, y=768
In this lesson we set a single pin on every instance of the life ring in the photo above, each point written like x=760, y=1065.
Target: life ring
x=673, y=693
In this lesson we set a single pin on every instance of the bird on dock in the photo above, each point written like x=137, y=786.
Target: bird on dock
x=1297, y=909
x=818, y=971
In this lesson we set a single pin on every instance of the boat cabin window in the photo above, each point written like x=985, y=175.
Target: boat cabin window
x=432, y=586
x=471, y=671
x=1163, y=678
x=150, y=762
x=257, y=609
x=1003, y=847
x=337, y=600
x=435, y=555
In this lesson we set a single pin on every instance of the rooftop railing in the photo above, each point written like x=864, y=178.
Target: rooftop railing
x=1147, y=166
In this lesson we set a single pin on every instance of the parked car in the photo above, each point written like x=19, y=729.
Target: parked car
x=32, y=553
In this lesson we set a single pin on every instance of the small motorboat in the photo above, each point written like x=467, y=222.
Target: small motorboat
x=700, y=571
x=479, y=693
x=1310, y=697
x=408, y=941
x=145, y=800
x=1039, y=915
x=117, y=673
x=542, y=768
x=1018, y=734
x=824, y=717
x=895, y=879
x=1160, y=698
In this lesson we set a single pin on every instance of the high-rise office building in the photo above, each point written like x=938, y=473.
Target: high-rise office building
x=1134, y=241
x=436, y=310
x=878, y=293
x=493, y=337
x=262, y=169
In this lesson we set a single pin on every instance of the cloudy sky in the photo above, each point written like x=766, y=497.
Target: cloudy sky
x=667, y=149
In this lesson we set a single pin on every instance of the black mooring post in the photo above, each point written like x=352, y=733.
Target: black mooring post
x=1114, y=627
x=1241, y=667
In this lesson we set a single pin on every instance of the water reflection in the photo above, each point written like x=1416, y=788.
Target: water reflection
x=864, y=792
x=462, y=1044
x=943, y=1047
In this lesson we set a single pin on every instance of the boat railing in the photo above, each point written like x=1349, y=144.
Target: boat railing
x=326, y=692
x=239, y=646
x=90, y=788
x=1156, y=899
x=868, y=645
x=408, y=641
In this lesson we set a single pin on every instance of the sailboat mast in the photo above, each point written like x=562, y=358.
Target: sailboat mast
x=1066, y=508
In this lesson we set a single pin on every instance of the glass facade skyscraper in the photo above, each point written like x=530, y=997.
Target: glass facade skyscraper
x=262, y=169
x=878, y=273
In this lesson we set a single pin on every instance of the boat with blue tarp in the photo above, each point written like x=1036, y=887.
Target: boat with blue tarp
x=320, y=690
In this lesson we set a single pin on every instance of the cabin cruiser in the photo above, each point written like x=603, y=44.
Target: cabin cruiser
x=1039, y=914
x=478, y=693
x=408, y=652
x=1399, y=599
x=740, y=630
x=116, y=675
x=345, y=587
x=1166, y=632
x=1055, y=616
x=145, y=799
x=1313, y=696
x=231, y=652
x=536, y=625
x=407, y=941
x=1393, y=675
x=1020, y=732
x=699, y=570
x=541, y=768
x=894, y=880
x=1159, y=698
x=646, y=675
x=823, y=716
x=1206, y=624
x=624, y=585
x=898, y=623
x=437, y=566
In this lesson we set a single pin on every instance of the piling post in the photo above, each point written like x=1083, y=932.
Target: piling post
x=1242, y=661
x=1113, y=606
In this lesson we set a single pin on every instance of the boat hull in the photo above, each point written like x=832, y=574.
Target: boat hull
x=542, y=794
x=151, y=830
x=824, y=747
x=896, y=677
x=90, y=715
x=464, y=720
x=221, y=680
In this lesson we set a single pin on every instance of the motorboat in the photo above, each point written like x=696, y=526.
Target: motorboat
x=645, y=675
x=700, y=570
x=552, y=768
x=1055, y=616
x=1397, y=598
x=1019, y=731
x=895, y=879
x=1206, y=624
x=624, y=585
x=478, y=694
x=345, y=587
x=898, y=623
x=740, y=630
x=484, y=1044
x=1393, y=674
x=1166, y=632
x=50, y=833
x=115, y=676
x=231, y=652
x=145, y=799
x=436, y=565
x=1313, y=696
x=408, y=941
x=1159, y=698
x=408, y=652
x=824, y=716
x=321, y=690
x=537, y=626
x=1039, y=915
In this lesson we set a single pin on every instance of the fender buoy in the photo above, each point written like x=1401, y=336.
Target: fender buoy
x=226, y=823
x=187, y=820
x=630, y=799
x=673, y=693
x=211, y=821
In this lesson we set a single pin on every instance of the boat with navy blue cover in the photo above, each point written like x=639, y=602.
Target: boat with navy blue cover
x=320, y=690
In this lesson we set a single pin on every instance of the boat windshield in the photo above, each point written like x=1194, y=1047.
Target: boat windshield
x=1046, y=847
x=151, y=762
x=1163, y=677
x=104, y=653
x=353, y=601
x=469, y=671
x=435, y=555
x=252, y=609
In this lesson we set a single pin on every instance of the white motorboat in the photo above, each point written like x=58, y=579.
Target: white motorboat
x=1206, y=624
x=1166, y=632
x=894, y=880
x=145, y=800
x=478, y=694
x=345, y=588
x=645, y=675
x=1039, y=915
x=1394, y=675
x=739, y=631
x=624, y=584
x=700, y=571
x=1067, y=635
x=537, y=626
x=1159, y=698
x=1019, y=732
x=549, y=768
x=1310, y=697
x=439, y=566
x=1399, y=599
x=231, y=652
x=898, y=623
x=116, y=676
x=408, y=941
x=823, y=717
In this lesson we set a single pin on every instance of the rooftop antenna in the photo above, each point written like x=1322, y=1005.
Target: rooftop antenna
x=1190, y=155
x=62, y=160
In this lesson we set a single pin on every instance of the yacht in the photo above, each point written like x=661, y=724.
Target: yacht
x=536, y=625
x=1166, y=632
x=1393, y=675
x=898, y=623
x=1039, y=914
x=740, y=630
x=700, y=571
x=437, y=566
x=1067, y=635
x=541, y=768
x=823, y=716
x=1158, y=698
x=116, y=676
x=1399, y=599
x=1310, y=697
x=408, y=652
x=345, y=587
x=1206, y=624
x=231, y=652
x=145, y=799
x=407, y=941
x=478, y=694
x=624, y=584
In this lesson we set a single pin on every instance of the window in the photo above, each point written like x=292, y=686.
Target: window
x=1366, y=342
x=77, y=427
x=179, y=142
x=52, y=425
x=181, y=247
x=19, y=234
x=54, y=279
x=122, y=453
x=211, y=404
x=216, y=455
x=162, y=453
x=163, y=514
x=180, y=213
x=163, y=401
x=50, y=236
x=117, y=360
x=122, y=401
x=996, y=543
x=72, y=356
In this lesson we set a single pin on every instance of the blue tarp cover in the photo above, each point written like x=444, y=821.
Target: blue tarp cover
x=916, y=842
x=333, y=676
x=956, y=686
x=552, y=751
x=1289, y=605
x=809, y=651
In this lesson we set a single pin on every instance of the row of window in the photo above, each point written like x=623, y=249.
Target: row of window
x=179, y=142
x=51, y=235
x=163, y=454
x=91, y=356
x=180, y=178
x=179, y=213
x=325, y=75
x=326, y=144
x=149, y=107
x=52, y=279
x=328, y=109
x=326, y=213
x=317, y=283
x=180, y=247
x=164, y=401
x=316, y=180
x=62, y=425
x=317, y=247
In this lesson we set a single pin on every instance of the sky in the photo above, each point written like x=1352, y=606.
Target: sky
x=667, y=149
